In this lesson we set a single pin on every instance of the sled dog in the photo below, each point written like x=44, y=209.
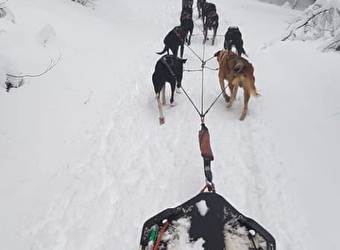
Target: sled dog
x=173, y=40
x=169, y=68
x=187, y=23
x=233, y=37
x=210, y=21
x=239, y=73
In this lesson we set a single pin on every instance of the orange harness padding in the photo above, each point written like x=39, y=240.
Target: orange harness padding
x=204, y=141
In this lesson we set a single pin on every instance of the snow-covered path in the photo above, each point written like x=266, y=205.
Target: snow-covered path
x=84, y=161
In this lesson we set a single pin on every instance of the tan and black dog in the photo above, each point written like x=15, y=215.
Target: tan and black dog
x=239, y=73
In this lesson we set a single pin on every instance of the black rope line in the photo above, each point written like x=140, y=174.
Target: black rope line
x=194, y=53
x=202, y=79
x=215, y=100
x=209, y=59
x=211, y=68
x=202, y=114
x=192, y=70
x=193, y=104
x=203, y=34
x=203, y=66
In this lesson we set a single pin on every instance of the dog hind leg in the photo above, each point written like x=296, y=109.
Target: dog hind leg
x=232, y=96
x=173, y=87
x=160, y=109
x=214, y=35
x=225, y=96
x=245, y=107
x=205, y=34
x=189, y=36
x=163, y=95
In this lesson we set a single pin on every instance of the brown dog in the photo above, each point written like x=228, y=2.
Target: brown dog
x=239, y=73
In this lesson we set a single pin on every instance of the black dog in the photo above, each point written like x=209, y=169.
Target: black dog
x=200, y=4
x=233, y=37
x=169, y=69
x=187, y=23
x=187, y=3
x=173, y=40
x=210, y=21
x=206, y=9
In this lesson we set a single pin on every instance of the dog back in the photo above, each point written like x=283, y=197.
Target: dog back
x=244, y=75
x=227, y=62
x=208, y=8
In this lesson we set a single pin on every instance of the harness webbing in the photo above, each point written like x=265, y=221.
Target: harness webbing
x=168, y=66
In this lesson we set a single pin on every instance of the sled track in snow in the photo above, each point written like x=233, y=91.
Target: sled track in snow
x=139, y=165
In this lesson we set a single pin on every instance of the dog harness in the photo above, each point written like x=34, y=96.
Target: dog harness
x=178, y=32
x=169, y=64
x=185, y=16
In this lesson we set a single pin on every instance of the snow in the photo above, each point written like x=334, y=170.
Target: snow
x=84, y=161
x=202, y=207
x=179, y=238
x=237, y=238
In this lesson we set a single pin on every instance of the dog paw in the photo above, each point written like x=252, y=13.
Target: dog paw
x=178, y=91
x=243, y=115
x=226, y=98
x=229, y=104
x=173, y=104
x=161, y=120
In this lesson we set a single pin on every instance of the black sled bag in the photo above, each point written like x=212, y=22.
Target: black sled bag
x=209, y=222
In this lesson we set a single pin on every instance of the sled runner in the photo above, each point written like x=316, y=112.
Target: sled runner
x=208, y=222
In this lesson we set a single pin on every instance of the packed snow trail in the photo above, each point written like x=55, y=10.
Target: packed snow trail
x=121, y=167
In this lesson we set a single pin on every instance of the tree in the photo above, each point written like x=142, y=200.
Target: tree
x=301, y=3
x=320, y=20
x=89, y=3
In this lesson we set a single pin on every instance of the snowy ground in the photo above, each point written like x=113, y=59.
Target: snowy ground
x=84, y=162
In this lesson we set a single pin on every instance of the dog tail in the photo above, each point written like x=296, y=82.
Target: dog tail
x=252, y=88
x=249, y=80
x=163, y=51
x=254, y=93
x=244, y=52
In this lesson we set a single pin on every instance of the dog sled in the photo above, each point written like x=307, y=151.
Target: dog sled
x=207, y=221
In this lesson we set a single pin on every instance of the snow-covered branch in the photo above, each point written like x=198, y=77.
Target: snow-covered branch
x=3, y=2
x=89, y=3
x=17, y=80
x=6, y=12
x=322, y=19
x=51, y=65
x=332, y=44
